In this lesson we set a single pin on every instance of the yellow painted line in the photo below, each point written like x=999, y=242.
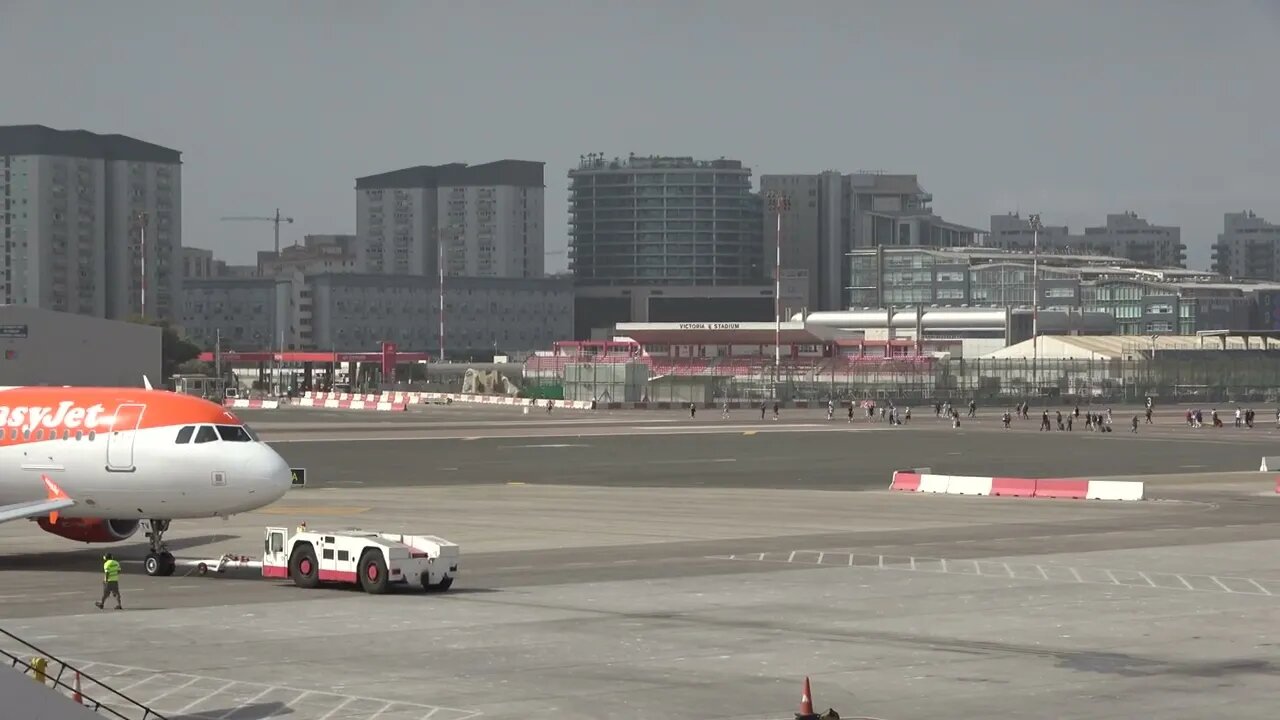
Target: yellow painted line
x=314, y=510
x=749, y=432
x=471, y=438
x=515, y=483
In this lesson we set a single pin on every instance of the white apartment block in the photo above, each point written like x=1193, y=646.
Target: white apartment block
x=198, y=263
x=489, y=218
x=317, y=254
x=1125, y=235
x=72, y=208
x=1247, y=247
x=349, y=312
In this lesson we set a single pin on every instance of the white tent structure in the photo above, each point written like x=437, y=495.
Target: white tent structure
x=1121, y=347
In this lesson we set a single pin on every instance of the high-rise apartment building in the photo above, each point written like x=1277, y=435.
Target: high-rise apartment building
x=665, y=239
x=73, y=207
x=1247, y=247
x=488, y=217
x=663, y=221
x=830, y=214
x=1124, y=236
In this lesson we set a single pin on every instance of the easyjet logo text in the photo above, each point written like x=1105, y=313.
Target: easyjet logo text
x=65, y=415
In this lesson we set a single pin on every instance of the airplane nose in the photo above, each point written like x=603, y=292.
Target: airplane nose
x=273, y=472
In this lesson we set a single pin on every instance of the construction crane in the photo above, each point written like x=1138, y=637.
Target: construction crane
x=277, y=331
x=274, y=220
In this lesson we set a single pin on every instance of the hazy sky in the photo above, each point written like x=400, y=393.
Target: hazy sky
x=1070, y=108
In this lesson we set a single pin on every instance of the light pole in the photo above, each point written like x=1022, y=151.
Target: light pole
x=141, y=219
x=1035, y=298
x=440, y=263
x=778, y=204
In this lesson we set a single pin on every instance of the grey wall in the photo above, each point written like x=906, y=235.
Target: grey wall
x=71, y=349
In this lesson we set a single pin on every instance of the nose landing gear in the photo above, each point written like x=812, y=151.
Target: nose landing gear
x=159, y=562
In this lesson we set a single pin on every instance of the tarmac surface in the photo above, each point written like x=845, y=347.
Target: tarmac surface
x=642, y=564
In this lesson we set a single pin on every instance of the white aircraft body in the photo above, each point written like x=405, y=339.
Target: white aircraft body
x=91, y=464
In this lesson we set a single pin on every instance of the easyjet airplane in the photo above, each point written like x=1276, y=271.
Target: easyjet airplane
x=106, y=459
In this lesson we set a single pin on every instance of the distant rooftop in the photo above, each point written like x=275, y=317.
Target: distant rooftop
x=997, y=255
x=597, y=161
x=42, y=140
x=524, y=173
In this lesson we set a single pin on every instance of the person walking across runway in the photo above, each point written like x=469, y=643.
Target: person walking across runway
x=110, y=581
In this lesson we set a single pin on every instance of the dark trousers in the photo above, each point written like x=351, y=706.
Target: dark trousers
x=109, y=589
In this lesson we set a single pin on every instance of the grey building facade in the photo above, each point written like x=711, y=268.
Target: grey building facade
x=353, y=312
x=832, y=213
x=74, y=205
x=663, y=221
x=489, y=218
x=1125, y=235
x=246, y=310
x=1247, y=247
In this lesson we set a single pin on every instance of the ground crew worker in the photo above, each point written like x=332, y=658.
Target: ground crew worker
x=110, y=581
x=302, y=527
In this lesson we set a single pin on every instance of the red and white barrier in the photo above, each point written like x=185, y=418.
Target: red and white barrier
x=251, y=403
x=1019, y=487
x=324, y=396
x=410, y=398
x=351, y=405
x=506, y=400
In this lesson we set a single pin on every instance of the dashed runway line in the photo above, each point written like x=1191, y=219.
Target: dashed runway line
x=200, y=697
x=1185, y=582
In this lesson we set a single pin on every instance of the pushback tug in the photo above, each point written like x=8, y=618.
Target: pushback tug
x=373, y=560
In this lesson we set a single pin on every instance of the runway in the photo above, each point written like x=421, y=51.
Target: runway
x=610, y=569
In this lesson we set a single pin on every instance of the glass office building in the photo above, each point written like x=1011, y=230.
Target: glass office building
x=670, y=221
x=1144, y=301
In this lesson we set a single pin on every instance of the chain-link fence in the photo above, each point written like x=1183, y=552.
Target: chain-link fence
x=1175, y=376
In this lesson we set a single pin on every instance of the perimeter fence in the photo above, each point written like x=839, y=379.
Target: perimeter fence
x=1251, y=376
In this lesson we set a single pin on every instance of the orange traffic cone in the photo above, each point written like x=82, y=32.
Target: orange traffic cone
x=80, y=699
x=806, y=704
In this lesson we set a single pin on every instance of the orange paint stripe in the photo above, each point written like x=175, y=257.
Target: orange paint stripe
x=32, y=414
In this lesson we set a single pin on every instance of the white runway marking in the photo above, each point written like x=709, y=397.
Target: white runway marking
x=1149, y=579
x=199, y=697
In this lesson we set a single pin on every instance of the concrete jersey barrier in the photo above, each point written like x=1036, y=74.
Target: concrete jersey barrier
x=251, y=403
x=351, y=405
x=908, y=481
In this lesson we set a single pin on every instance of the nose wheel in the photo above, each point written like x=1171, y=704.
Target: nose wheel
x=159, y=562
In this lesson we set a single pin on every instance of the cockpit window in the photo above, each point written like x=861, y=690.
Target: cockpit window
x=184, y=435
x=206, y=434
x=234, y=433
x=253, y=435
